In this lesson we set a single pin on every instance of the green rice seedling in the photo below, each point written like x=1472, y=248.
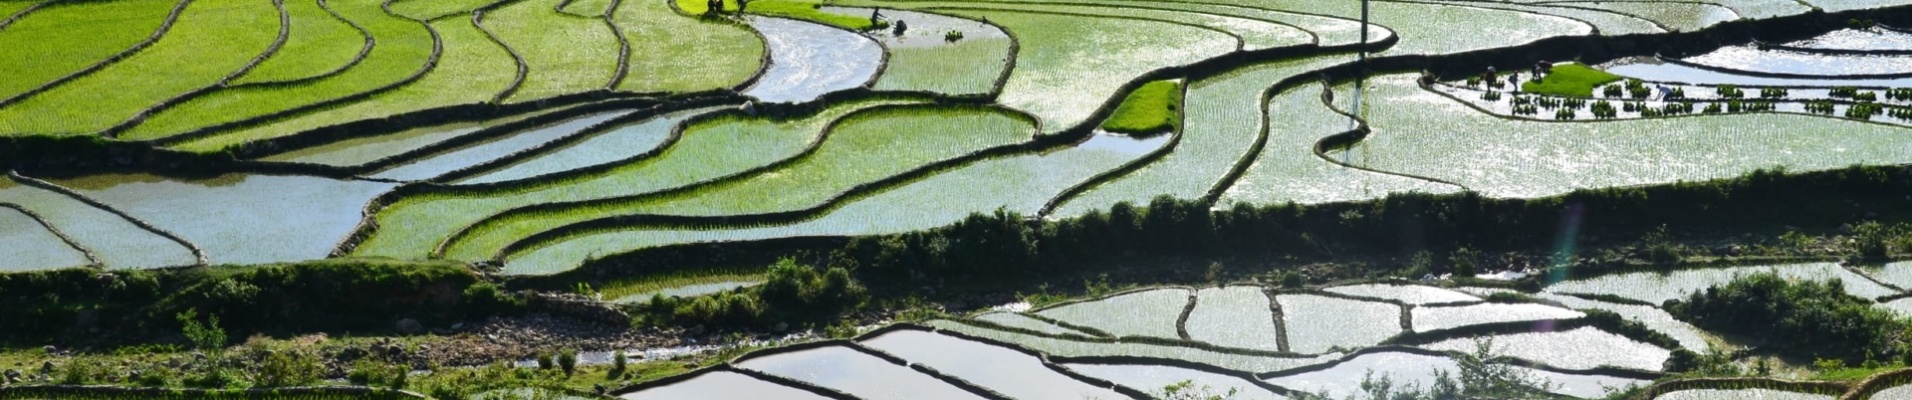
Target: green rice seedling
x=1152, y=108
x=709, y=149
x=1060, y=87
x=1613, y=91
x=472, y=69
x=1573, y=103
x=807, y=10
x=210, y=40
x=318, y=43
x=953, y=36
x=1729, y=91
x=1490, y=95
x=426, y=10
x=1901, y=94
x=1526, y=110
x=1255, y=34
x=1572, y=80
x=403, y=48
x=1443, y=29
x=1564, y=114
x=44, y=46
x=959, y=68
x=1474, y=82
x=1819, y=107
x=1601, y=110
x=565, y=53
x=1863, y=111
x=861, y=148
x=1677, y=93
x=1772, y=93
x=721, y=55
x=1866, y=96
x=1844, y=91
x=1712, y=108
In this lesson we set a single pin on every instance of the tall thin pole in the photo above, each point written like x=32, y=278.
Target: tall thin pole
x=1361, y=78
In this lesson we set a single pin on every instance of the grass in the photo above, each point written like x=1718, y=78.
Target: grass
x=565, y=53
x=403, y=48
x=698, y=7
x=1571, y=80
x=969, y=66
x=591, y=8
x=1061, y=87
x=710, y=149
x=472, y=69
x=211, y=39
x=1150, y=109
x=649, y=283
x=721, y=55
x=426, y=10
x=864, y=147
x=318, y=43
x=43, y=46
x=806, y=10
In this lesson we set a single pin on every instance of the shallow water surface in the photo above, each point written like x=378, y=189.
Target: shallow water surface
x=601, y=148
x=1009, y=372
x=722, y=385
x=445, y=162
x=29, y=246
x=808, y=60
x=1746, y=58
x=1148, y=313
x=1152, y=378
x=862, y=375
x=241, y=218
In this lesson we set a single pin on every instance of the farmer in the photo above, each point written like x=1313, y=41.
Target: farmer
x=1491, y=76
x=1665, y=92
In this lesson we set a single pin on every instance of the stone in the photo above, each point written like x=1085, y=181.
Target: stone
x=410, y=326
x=780, y=327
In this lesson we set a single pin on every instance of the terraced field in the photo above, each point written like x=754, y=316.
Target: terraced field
x=543, y=136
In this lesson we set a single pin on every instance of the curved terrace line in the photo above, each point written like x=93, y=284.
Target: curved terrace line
x=17, y=15
x=1785, y=75
x=164, y=26
x=1511, y=7
x=1104, y=177
x=623, y=46
x=285, y=31
x=1316, y=38
x=198, y=253
x=364, y=50
x=477, y=19
x=835, y=201
x=91, y=259
x=1688, y=115
x=1240, y=44
x=1009, y=63
x=431, y=62
x=1360, y=131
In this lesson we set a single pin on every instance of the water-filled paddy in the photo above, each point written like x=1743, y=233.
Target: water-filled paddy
x=240, y=218
x=1853, y=39
x=1410, y=294
x=602, y=148
x=1147, y=313
x=1152, y=378
x=1316, y=324
x=1344, y=379
x=117, y=242
x=862, y=375
x=1657, y=288
x=1746, y=58
x=1690, y=337
x=722, y=385
x=30, y=246
x=1009, y=372
x=1580, y=348
x=1235, y=316
x=441, y=163
x=1055, y=347
x=1428, y=319
x=1018, y=320
x=808, y=60
x=1741, y=394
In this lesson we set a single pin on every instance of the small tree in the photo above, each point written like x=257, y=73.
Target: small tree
x=617, y=365
x=568, y=361
x=208, y=337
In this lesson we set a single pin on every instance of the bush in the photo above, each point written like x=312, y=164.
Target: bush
x=1806, y=318
x=287, y=368
x=1874, y=240
x=791, y=292
x=618, y=365
x=568, y=361
x=368, y=372
x=1292, y=279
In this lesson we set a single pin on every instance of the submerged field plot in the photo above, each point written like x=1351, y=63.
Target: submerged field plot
x=544, y=144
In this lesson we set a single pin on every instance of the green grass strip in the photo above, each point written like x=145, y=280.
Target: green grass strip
x=472, y=69
x=426, y=10
x=1152, y=108
x=1569, y=79
x=414, y=226
x=211, y=40
x=320, y=43
x=43, y=45
x=592, y=8
x=566, y=53
x=807, y=11
x=721, y=55
x=403, y=48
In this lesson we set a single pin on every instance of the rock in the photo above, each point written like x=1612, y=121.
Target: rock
x=780, y=327
x=49, y=349
x=410, y=326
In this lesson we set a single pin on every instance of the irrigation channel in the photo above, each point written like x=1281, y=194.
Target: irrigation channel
x=546, y=140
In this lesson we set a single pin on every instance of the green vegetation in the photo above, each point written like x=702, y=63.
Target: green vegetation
x=299, y=297
x=1060, y=87
x=1151, y=108
x=807, y=10
x=317, y=43
x=862, y=147
x=1570, y=79
x=721, y=55
x=965, y=67
x=43, y=47
x=1808, y=318
x=565, y=53
x=403, y=48
x=210, y=40
x=792, y=293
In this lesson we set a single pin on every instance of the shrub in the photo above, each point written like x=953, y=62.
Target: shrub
x=791, y=291
x=1875, y=240
x=568, y=361
x=1292, y=279
x=287, y=368
x=1806, y=318
x=369, y=372
x=618, y=365
x=544, y=362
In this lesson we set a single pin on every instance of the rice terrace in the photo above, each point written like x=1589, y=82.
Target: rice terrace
x=956, y=199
